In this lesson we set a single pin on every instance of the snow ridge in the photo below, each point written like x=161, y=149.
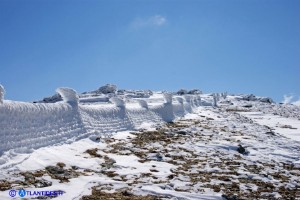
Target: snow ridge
x=33, y=125
x=2, y=92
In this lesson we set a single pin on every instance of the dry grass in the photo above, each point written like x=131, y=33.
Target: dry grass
x=5, y=185
x=97, y=194
x=93, y=153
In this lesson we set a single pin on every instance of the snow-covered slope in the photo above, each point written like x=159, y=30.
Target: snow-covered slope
x=216, y=146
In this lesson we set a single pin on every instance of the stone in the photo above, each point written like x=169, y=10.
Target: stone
x=107, y=89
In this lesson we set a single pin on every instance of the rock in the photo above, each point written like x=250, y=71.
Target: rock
x=247, y=106
x=287, y=126
x=266, y=100
x=107, y=89
x=182, y=92
x=126, y=193
x=228, y=197
x=241, y=149
x=74, y=167
x=195, y=91
x=270, y=133
x=42, y=183
x=159, y=157
x=182, y=132
x=55, y=170
x=53, y=99
x=251, y=97
x=108, y=162
x=61, y=174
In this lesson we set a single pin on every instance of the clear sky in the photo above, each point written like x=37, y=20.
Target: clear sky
x=239, y=46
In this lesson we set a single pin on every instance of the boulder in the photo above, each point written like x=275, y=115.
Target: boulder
x=195, y=91
x=107, y=89
x=182, y=92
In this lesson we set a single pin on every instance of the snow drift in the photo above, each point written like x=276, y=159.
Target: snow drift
x=1, y=93
x=34, y=125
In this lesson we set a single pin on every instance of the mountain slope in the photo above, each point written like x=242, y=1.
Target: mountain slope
x=228, y=147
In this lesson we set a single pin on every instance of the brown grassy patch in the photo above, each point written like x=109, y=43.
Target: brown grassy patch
x=97, y=194
x=5, y=185
x=93, y=153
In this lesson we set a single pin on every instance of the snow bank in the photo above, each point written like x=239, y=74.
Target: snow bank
x=187, y=104
x=37, y=125
x=180, y=100
x=178, y=108
x=2, y=92
x=103, y=119
x=187, y=98
x=199, y=101
x=168, y=97
x=34, y=125
x=69, y=95
x=165, y=111
x=118, y=102
x=143, y=103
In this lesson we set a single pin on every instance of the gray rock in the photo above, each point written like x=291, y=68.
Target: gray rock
x=42, y=183
x=53, y=99
x=55, y=170
x=195, y=91
x=182, y=92
x=107, y=89
x=241, y=149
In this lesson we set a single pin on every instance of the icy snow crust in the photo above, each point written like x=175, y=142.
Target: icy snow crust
x=26, y=126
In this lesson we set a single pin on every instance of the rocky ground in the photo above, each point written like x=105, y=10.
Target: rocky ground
x=216, y=153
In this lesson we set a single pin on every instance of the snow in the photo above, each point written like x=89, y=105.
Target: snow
x=2, y=92
x=69, y=95
x=118, y=102
x=28, y=126
x=168, y=98
x=143, y=103
x=195, y=157
x=287, y=127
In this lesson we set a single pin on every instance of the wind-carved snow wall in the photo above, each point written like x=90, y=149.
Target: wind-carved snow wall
x=178, y=108
x=165, y=111
x=33, y=125
x=143, y=103
x=187, y=104
x=118, y=102
x=2, y=92
x=69, y=95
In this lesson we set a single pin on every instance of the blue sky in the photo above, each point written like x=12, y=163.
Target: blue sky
x=239, y=46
